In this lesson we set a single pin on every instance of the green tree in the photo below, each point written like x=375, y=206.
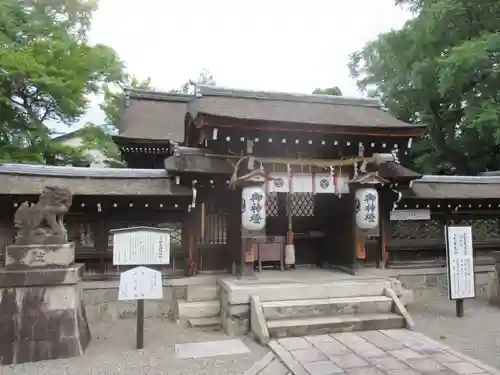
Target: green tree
x=47, y=72
x=335, y=91
x=441, y=69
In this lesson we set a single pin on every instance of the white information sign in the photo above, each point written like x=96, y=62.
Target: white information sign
x=460, y=259
x=140, y=283
x=401, y=215
x=141, y=246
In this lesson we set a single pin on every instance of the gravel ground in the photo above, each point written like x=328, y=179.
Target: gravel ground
x=111, y=352
x=477, y=334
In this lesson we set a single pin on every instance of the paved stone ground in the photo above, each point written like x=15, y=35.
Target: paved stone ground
x=269, y=365
x=477, y=334
x=112, y=352
x=391, y=352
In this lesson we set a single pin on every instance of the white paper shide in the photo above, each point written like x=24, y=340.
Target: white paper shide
x=140, y=283
x=141, y=246
x=367, y=208
x=460, y=262
x=253, y=208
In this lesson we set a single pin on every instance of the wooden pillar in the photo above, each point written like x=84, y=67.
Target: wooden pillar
x=351, y=268
x=100, y=228
x=233, y=209
x=188, y=241
x=384, y=238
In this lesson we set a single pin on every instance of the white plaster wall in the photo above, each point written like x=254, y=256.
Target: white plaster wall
x=96, y=155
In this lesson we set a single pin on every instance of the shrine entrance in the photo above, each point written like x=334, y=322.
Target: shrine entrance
x=323, y=229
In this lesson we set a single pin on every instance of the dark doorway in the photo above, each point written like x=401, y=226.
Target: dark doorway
x=337, y=222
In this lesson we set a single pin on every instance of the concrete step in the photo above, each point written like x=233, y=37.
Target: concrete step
x=201, y=309
x=239, y=293
x=333, y=324
x=326, y=307
x=205, y=322
x=197, y=293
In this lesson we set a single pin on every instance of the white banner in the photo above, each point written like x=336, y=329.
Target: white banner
x=302, y=183
x=317, y=183
x=323, y=183
x=279, y=184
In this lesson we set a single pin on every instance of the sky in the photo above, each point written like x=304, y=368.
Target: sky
x=278, y=45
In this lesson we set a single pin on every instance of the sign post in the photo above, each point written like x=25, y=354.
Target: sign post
x=138, y=247
x=460, y=262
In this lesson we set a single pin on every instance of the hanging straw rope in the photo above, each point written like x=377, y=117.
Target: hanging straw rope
x=233, y=181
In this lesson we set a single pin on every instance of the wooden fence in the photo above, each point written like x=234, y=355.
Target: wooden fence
x=414, y=243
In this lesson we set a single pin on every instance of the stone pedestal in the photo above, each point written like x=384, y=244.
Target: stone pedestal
x=39, y=256
x=42, y=315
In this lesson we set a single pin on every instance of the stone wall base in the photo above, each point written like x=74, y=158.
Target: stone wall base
x=44, y=318
x=101, y=297
x=428, y=283
x=102, y=305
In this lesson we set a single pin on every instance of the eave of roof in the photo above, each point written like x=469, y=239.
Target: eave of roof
x=18, y=179
x=80, y=172
x=133, y=93
x=206, y=90
x=323, y=110
x=149, y=119
x=66, y=136
x=456, y=187
x=124, y=139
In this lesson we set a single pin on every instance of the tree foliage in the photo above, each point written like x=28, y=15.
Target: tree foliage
x=442, y=69
x=48, y=70
x=335, y=91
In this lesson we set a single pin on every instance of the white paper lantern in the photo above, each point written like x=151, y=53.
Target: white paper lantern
x=253, y=208
x=367, y=208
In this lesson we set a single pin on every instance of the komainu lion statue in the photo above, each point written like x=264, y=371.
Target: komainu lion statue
x=41, y=223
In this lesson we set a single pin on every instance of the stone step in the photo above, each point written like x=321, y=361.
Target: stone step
x=197, y=293
x=201, y=309
x=333, y=324
x=205, y=322
x=326, y=307
x=240, y=293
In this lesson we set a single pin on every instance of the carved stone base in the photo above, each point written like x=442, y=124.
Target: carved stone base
x=39, y=256
x=42, y=315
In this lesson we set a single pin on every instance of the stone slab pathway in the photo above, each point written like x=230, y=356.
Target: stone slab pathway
x=269, y=365
x=384, y=352
x=210, y=349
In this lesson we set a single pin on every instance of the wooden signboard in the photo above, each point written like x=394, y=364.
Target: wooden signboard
x=460, y=262
x=141, y=246
x=140, y=283
x=417, y=214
